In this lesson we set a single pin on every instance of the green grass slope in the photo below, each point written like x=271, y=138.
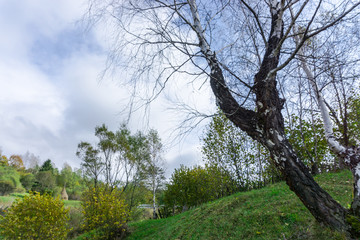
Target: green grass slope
x=273, y=212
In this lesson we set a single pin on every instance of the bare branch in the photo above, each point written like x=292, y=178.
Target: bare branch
x=259, y=25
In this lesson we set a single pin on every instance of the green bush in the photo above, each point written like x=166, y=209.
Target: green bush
x=35, y=217
x=104, y=210
x=9, y=174
x=75, y=192
x=27, y=180
x=193, y=186
x=6, y=187
x=45, y=183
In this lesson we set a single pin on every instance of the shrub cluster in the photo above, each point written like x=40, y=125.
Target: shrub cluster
x=6, y=187
x=190, y=187
x=104, y=210
x=9, y=180
x=35, y=217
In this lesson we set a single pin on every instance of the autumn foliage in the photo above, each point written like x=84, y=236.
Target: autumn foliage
x=35, y=217
x=16, y=162
x=105, y=211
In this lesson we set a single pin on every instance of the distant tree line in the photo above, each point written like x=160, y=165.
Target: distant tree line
x=16, y=178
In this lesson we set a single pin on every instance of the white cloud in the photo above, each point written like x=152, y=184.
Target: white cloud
x=28, y=94
x=21, y=22
x=51, y=97
x=33, y=104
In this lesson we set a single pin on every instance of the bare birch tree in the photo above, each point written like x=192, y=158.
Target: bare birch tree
x=240, y=47
x=154, y=170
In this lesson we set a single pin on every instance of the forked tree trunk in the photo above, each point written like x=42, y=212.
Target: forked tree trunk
x=266, y=125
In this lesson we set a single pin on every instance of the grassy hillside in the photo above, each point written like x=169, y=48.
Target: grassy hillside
x=273, y=212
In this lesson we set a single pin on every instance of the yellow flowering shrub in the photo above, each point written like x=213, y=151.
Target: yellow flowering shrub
x=104, y=210
x=35, y=217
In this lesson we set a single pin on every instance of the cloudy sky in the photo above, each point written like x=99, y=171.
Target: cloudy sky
x=51, y=94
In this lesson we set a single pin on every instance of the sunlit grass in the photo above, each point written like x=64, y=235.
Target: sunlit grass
x=273, y=212
x=6, y=199
x=72, y=203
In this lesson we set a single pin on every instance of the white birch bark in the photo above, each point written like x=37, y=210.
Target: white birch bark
x=204, y=46
x=328, y=127
x=349, y=154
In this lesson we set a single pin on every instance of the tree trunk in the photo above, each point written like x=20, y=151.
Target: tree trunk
x=154, y=203
x=314, y=168
x=267, y=124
